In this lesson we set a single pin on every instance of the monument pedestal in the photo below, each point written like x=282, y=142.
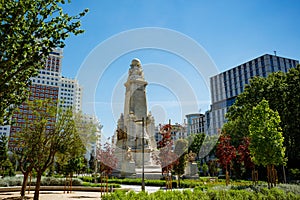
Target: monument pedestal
x=128, y=169
x=138, y=157
x=191, y=171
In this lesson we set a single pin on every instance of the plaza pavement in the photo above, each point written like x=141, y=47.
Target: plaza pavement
x=82, y=195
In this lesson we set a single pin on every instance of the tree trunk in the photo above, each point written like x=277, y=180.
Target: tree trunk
x=284, y=176
x=24, y=184
x=178, y=176
x=101, y=186
x=269, y=176
x=37, y=186
x=106, y=183
x=227, y=177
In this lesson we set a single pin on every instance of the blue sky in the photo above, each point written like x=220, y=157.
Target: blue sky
x=230, y=32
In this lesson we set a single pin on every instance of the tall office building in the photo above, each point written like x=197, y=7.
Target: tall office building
x=48, y=84
x=195, y=123
x=70, y=94
x=226, y=86
x=45, y=85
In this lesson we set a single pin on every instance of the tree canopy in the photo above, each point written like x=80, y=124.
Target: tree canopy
x=29, y=31
x=282, y=91
x=195, y=142
x=51, y=132
x=266, y=146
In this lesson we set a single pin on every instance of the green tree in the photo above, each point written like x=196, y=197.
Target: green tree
x=52, y=131
x=208, y=146
x=29, y=31
x=87, y=129
x=291, y=117
x=282, y=91
x=6, y=167
x=266, y=147
x=195, y=142
x=3, y=149
x=75, y=164
x=205, y=168
x=180, y=150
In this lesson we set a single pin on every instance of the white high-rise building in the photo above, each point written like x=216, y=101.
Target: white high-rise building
x=51, y=74
x=49, y=83
x=226, y=86
x=70, y=94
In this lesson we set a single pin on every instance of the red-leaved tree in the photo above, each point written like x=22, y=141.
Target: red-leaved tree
x=167, y=158
x=225, y=152
x=244, y=153
x=108, y=160
x=245, y=157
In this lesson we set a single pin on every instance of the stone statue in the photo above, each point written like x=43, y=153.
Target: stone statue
x=121, y=134
x=191, y=156
x=128, y=155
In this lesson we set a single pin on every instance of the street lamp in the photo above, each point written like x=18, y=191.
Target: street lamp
x=143, y=152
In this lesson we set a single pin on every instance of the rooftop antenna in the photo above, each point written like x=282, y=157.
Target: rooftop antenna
x=275, y=53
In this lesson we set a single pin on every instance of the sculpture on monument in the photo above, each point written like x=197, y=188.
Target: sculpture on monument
x=129, y=155
x=191, y=170
x=129, y=133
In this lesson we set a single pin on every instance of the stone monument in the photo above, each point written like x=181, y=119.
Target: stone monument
x=191, y=170
x=133, y=124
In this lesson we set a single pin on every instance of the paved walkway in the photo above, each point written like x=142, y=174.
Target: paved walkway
x=53, y=195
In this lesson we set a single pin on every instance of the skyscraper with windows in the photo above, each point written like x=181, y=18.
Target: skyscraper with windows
x=45, y=85
x=48, y=84
x=226, y=86
x=70, y=94
x=195, y=123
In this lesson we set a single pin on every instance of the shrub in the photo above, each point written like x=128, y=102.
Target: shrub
x=88, y=179
x=295, y=173
x=46, y=181
x=114, y=185
x=274, y=193
x=290, y=188
x=11, y=181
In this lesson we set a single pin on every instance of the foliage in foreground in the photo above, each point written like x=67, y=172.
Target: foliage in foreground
x=29, y=31
x=51, y=181
x=273, y=193
x=46, y=181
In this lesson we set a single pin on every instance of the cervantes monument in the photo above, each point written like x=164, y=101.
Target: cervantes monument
x=130, y=129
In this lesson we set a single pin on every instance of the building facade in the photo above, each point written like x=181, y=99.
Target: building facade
x=49, y=83
x=45, y=85
x=70, y=94
x=226, y=86
x=195, y=123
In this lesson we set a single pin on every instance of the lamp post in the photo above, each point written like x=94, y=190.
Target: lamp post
x=143, y=152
